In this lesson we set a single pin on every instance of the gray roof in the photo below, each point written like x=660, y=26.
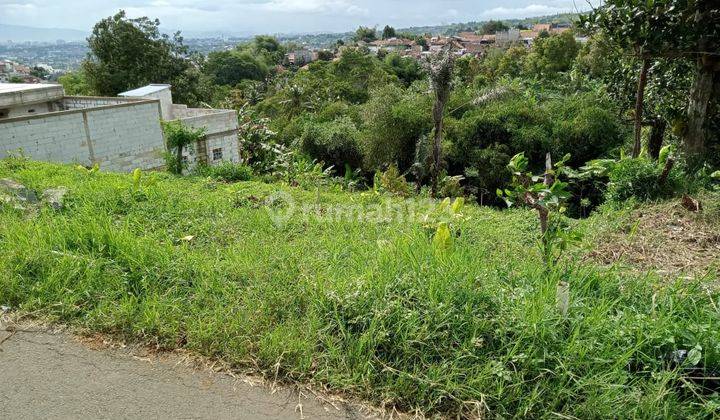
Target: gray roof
x=15, y=94
x=145, y=90
x=7, y=88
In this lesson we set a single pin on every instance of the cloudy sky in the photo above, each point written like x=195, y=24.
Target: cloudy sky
x=275, y=16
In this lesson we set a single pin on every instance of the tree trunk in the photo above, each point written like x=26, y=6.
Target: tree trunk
x=548, y=180
x=178, y=162
x=639, y=99
x=657, y=133
x=700, y=95
x=701, y=92
x=437, y=143
x=666, y=171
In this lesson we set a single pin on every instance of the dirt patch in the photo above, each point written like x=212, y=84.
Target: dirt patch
x=666, y=238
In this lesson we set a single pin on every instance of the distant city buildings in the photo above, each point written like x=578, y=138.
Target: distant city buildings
x=12, y=71
x=465, y=43
x=301, y=57
x=17, y=59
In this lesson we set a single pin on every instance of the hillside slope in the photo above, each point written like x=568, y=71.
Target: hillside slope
x=17, y=33
x=345, y=291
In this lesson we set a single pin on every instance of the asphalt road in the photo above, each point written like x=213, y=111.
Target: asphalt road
x=47, y=375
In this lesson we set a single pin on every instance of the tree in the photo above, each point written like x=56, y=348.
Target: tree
x=674, y=29
x=325, y=55
x=597, y=57
x=128, y=53
x=269, y=48
x=492, y=27
x=512, y=62
x=296, y=101
x=354, y=73
x=365, y=34
x=666, y=92
x=422, y=41
x=231, y=67
x=440, y=70
x=388, y=32
x=393, y=120
x=636, y=27
x=407, y=69
x=39, y=72
x=553, y=54
x=267, y=43
x=75, y=83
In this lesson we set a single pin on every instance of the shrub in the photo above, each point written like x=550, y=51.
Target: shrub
x=257, y=142
x=393, y=123
x=588, y=132
x=450, y=186
x=638, y=178
x=226, y=171
x=482, y=141
x=178, y=136
x=334, y=142
x=487, y=172
x=231, y=67
x=392, y=181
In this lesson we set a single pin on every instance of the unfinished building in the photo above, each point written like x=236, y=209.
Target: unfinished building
x=119, y=133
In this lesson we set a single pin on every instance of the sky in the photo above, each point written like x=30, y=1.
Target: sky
x=276, y=16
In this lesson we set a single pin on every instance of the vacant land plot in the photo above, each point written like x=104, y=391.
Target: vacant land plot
x=347, y=292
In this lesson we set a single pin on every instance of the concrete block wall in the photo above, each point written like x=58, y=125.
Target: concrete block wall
x=56, y=138
x=181, y=111
x=166, y=105
x=31, y=109
x=228, y=143
x=85, y=102
x=127, y=137
x=161, y=92
x=117, y=137
x=221, y=128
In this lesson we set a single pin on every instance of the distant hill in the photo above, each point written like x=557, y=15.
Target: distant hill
x=454, y=28
x=18, y=33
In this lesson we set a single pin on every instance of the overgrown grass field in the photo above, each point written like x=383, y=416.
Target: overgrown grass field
x=358, y=305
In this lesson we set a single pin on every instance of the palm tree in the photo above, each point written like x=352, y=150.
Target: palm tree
x=440, y=70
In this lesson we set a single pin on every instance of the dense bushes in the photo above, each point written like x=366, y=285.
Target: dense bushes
x=368, y=114
x=393, y=121
x=334, y=142
x=484, y=129
x=232, y=67
x=640, y=178
x=226, y=171
x=482, y=141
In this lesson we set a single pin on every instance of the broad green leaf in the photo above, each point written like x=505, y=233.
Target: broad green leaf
x=442, y=239
x=137, y=174
x=458, y=205
x=694, y=355
x=664, y=154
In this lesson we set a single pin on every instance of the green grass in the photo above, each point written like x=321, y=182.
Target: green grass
x=366, y=308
